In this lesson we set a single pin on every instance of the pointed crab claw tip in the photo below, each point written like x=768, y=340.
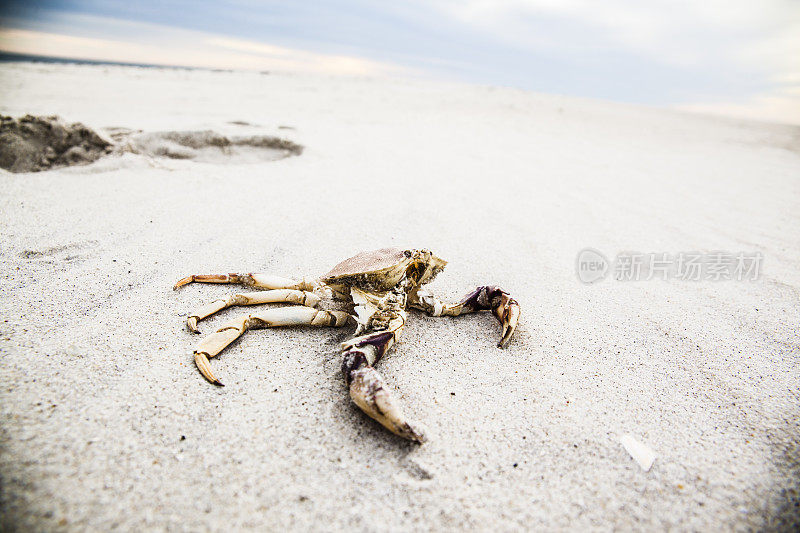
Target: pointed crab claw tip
x=182, y=282
x=510, y=320
x=201, y=360
x=507, y=335
x=408, y=432
x=506, y=338
x=191, y=322
x=417, y=438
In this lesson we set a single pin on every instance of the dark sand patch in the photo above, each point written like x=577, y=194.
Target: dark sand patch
x=31, y=144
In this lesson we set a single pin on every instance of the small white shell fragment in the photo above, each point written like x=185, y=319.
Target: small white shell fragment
x=640, y=453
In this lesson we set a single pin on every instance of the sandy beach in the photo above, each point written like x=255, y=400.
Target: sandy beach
x=105, y=423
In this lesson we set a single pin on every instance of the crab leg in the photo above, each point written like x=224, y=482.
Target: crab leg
x=254, y=298
x=485, y=298
x=252, y=279
x=213, y=344
x=368, y=390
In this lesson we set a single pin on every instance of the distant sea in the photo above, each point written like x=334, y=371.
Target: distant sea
x=7, y=57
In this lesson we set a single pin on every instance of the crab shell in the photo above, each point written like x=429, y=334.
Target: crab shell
x=382, y=270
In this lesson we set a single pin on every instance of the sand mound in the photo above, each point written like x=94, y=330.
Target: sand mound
x=211, y=147
x=31, y=144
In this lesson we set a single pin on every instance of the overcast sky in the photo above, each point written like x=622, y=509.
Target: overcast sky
x=727, y=56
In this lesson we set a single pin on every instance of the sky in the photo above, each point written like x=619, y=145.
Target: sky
x=731, y=57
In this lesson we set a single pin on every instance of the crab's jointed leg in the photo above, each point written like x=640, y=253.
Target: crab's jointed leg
x=368, y=390
x=252, y=279
x=213, y=344
x=485, y=298
x=293, y=296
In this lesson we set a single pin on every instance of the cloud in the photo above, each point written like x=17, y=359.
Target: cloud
x=736, y=56
x=161, y=45
x=292, y=59
x=754, y=44
x=679, y=32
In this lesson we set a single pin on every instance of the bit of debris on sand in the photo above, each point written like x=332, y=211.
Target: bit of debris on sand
x=640, y=452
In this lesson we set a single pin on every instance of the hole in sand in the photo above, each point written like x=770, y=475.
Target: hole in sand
x=211, y=147
x=31, y=144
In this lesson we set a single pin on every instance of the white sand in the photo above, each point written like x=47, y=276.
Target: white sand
x=99, y=388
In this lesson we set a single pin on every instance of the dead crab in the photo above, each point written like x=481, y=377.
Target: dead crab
x=378, y=286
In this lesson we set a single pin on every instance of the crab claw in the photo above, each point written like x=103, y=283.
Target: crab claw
x=201, y=360
x=370, y=393
x=494, y=299
x=367, y=388
x=507, y=312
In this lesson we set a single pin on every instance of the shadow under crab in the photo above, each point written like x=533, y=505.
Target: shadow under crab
x=379, y=286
